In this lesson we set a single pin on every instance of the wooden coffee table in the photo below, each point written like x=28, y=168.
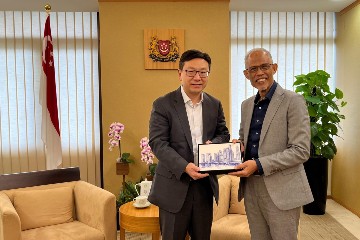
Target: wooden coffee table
x=143, y=220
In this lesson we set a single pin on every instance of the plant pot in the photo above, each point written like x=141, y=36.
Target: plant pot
x=122, y=168
x=317, y=173
x=149, y=177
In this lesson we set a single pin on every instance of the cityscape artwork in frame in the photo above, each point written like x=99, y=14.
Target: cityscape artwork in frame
x=219, y=157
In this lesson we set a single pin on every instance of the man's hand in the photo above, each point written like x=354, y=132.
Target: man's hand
x=193, y=171
x=245, y=169
x=242, y=148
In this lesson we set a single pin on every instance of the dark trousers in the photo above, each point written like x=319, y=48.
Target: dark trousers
x=195, y=216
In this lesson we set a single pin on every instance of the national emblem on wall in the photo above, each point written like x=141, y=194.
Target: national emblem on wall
x=162, y=48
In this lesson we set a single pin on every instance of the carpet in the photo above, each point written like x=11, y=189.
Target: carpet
x=136, y=236
x=312, y=227
x=318, y=227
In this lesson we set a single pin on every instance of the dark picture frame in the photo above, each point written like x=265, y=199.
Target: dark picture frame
x=219, y=158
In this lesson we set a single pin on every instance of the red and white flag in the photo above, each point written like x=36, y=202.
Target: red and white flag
x=50, y=131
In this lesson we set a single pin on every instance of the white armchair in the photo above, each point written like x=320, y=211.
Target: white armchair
x=74, y=210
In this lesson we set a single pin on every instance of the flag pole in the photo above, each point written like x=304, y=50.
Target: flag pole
x=50, y=129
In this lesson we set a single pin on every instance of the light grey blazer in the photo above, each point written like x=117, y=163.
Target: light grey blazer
x=283, y=148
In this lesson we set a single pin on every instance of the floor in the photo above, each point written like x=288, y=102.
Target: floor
x=313, y=227
x=346, y=218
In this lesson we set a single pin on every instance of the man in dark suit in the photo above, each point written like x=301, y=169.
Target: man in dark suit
x=180, y=121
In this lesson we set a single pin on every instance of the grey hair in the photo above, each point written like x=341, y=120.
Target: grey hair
x=256, y=50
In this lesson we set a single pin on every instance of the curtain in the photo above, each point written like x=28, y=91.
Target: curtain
x=75, y=41
x=300, y=42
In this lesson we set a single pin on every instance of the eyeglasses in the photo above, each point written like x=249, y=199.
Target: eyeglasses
x=192, y=73
x=262, y=67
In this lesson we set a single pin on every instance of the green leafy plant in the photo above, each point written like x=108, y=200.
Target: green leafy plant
x=323, y=106
x=127, y=193
x=125, y=158
x=152, y=168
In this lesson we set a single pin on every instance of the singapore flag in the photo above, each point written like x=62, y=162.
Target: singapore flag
x=50, y=131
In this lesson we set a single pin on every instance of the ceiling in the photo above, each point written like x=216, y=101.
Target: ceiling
x=290, y=5
x=239, y=5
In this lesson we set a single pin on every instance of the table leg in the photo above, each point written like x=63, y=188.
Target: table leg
x=122, y=233
x=155, y=236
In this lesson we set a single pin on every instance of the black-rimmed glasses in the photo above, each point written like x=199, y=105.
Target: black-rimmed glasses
x=192, y=73
x=262, y=67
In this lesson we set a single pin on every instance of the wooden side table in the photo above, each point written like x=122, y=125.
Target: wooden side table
x=143, y=220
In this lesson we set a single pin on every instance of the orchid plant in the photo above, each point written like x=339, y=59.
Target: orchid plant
x=114, y=134
x=147, y=155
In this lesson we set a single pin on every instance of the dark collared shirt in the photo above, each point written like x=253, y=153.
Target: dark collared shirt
x=257, y=120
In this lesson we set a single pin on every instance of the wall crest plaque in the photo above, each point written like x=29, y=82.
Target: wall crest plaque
x=162, y=48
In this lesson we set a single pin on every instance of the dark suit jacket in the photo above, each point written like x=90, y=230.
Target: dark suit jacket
x=170, y=140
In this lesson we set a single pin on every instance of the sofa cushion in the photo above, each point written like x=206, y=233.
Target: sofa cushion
x=230, y=227
x=235, y=205
x=222, y=208
x=66, y=231
x=39, y=208
x=11, y=192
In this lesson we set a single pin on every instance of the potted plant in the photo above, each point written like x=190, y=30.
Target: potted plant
x=324, y=111
x=122, y=162
x=147, y=156
x=128, y=192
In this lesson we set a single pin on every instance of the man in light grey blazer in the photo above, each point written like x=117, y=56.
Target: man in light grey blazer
x=180, y=121
x=275, y=131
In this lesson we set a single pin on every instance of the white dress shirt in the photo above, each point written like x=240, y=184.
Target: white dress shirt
x=194, y=114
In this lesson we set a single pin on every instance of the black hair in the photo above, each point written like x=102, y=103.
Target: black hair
x=192, y=54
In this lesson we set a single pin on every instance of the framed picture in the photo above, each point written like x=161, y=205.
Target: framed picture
x=219, y=158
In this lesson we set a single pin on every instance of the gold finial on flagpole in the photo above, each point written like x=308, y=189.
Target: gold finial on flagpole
x=47, y=8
